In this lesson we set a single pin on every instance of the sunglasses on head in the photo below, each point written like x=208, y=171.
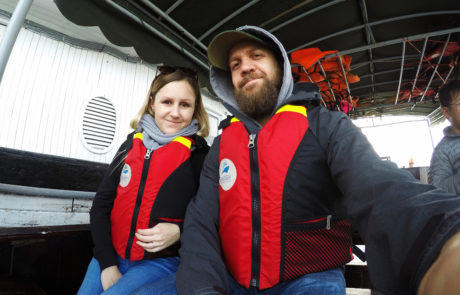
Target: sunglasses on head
x=164, y=70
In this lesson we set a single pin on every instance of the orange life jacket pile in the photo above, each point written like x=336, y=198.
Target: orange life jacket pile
x=308, y=59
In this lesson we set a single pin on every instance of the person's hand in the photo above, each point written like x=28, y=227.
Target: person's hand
x=158, y=237
x=109, y=276
x=442, y=276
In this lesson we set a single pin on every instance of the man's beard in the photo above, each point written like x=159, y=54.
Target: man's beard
x=261, y=103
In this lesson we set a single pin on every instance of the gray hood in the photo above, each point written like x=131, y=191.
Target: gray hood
x=221, y=81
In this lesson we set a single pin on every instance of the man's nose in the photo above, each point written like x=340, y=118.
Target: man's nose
x=247, y=66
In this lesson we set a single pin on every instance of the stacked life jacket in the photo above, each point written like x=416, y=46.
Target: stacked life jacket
x=155, y=186
x=332, y=79
x=276, y=220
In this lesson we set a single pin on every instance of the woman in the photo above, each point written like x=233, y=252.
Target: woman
x=138, y=210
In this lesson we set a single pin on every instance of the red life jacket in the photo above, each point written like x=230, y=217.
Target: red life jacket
x=143, y=176
x=259, y=247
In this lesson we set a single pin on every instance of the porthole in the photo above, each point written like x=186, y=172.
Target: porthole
x=99, y=125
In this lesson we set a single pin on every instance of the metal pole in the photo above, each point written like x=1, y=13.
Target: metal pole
x=232, y=15
x=11, y=33
x=311, y=81
x=429, y=130
x=174, y=23
x=448, y=75
x=174, y=6
x=393, y=19
x=157, y=33
x=436, y=68
x=311, y=11
x=328, y=84
x=422, y=55
x=391, y=42
x=309, y=78
x=346, y=80
x=401, y=72
x=306, y=74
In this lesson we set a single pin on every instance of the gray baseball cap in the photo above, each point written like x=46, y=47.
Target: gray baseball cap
x=220, y=46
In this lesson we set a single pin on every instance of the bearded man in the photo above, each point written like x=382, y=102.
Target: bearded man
x=285, y=180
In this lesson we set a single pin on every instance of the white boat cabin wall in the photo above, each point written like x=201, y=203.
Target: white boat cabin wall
x=60, y=98
x=73, y=102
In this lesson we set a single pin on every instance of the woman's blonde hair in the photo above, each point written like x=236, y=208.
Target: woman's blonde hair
x=178, y=74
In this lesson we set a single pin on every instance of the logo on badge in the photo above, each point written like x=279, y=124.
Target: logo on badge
x=125, y=176
x=227, y=174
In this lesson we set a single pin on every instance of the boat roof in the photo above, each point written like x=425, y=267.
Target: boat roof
x=402, y=51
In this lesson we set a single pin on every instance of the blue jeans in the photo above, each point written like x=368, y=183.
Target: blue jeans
x=135, y=274
x=331, y=282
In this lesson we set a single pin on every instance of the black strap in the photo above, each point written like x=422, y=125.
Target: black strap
x=358, y=252
x=225, y=122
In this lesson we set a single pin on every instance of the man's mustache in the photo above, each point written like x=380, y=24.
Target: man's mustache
x=249, y=77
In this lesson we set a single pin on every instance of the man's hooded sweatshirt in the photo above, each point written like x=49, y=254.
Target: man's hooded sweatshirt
x=273, y=197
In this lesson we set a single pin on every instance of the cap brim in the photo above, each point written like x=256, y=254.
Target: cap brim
x=220, y=46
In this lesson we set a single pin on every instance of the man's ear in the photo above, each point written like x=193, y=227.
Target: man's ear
x=446, y=113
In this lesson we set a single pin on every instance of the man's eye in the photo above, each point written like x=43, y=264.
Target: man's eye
x=234, y=65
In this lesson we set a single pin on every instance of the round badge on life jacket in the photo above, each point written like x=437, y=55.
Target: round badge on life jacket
x=125, y=176
x=227, y=174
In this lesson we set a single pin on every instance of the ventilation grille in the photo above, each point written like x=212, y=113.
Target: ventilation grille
x=99, y=125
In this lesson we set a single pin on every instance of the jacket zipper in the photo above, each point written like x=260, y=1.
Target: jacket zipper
x=140, y=193
x=255, y=197
x=328, y=219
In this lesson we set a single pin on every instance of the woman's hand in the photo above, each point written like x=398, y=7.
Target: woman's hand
x=109, y=276
x=158, y=237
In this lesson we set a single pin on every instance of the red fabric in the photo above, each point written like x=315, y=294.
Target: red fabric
x=123, y=208
x=316, y=250
x=235, y=205
x=163, y=162
x=171, y=219
x=332, y=69
x=277, y=143
x=308, y=56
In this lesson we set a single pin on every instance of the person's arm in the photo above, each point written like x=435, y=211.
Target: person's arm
x=442, y=276
x=100, y=211
x=442, y=172
x=202, y=270
x=403, y=223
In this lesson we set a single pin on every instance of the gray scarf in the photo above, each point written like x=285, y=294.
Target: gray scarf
x=153, y=137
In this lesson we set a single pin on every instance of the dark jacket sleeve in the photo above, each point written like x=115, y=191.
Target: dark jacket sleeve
x=403, y=222
x=202, y=270
x=102, y=207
